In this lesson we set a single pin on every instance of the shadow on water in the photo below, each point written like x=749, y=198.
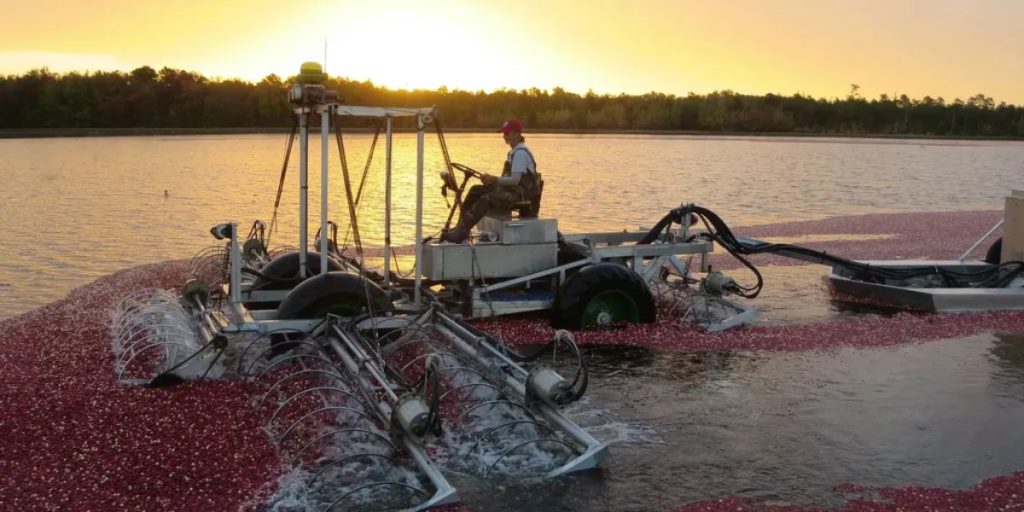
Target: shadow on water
x=787, y=428
x=1008, y=349
x=1007, y=355
x=857, y=309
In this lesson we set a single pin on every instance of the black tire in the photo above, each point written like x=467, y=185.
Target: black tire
x=995, y=252
x=599, y=281
x=283, y=270
x=341, y=293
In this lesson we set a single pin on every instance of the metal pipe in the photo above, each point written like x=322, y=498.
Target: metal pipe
x=444, y=493
x=463, y=334
x=420, y=124
x=982, y=239
x=303, y=190
x=325, y=117
x=387, y=205
x=591, y=449
x=359, y=358
x=383, y=409
x=516, y=386
x=207, y=324
x=236, y=266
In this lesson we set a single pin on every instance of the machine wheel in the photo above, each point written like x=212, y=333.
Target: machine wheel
x=283, y=271
x=253, y=250
x=194, y=289
x=339, y=293
x=995, y=252
x=602, y=295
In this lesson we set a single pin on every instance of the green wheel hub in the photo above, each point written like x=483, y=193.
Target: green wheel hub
x=608, y=308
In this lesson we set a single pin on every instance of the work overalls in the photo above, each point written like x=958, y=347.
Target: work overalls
x=495, y=198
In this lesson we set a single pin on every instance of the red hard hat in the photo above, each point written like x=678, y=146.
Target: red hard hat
x=510, y=126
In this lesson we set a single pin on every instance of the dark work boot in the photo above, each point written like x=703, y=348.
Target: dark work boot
x=457, y=235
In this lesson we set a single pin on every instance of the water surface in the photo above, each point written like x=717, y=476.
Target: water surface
x=73, y=209
x=787, y=427
x=784, y=427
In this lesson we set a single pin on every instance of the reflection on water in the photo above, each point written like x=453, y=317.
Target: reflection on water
x=1007, y=355
x=789, y=427
x=73, y=209
x=1009, y=350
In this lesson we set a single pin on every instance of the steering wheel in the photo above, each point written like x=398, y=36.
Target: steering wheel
x=468, y=170
x=449, y=182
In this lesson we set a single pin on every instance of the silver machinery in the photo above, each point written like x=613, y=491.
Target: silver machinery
x=396, y=373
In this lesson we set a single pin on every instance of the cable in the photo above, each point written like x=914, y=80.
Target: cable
x=398, y=270
x=353, y=220
x=284, y=171
x=997, y=276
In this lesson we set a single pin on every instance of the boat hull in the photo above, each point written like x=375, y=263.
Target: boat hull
x=846, y=288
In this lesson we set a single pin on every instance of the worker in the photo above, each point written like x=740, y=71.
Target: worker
x=518, y=183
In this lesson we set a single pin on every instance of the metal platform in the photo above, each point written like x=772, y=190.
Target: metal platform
x=927, y=299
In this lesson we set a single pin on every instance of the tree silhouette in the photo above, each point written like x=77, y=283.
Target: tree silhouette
x=173, y=98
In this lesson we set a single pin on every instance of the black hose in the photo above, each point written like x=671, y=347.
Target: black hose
x=718, y=231
x=662, y=225
x=579, y=382
x=996, y=276
x=582, y=378
x=434, y=416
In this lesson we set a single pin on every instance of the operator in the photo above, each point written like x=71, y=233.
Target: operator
x=518, y=182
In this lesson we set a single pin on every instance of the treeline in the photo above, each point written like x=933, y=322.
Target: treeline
x=171, y=98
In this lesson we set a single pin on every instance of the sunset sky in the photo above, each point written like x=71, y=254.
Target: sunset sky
x=819, y=47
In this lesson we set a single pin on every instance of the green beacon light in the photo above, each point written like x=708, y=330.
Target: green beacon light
x=311, y=73
x=309, y=89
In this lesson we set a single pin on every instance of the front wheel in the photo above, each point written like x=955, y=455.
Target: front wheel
x=602, y=296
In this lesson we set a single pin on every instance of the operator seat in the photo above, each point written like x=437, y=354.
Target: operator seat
x=529, y=208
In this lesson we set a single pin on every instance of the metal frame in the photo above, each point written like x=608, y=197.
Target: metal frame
x=482, y=351
x=235, y=289
x=981, y=240
x=645, y=260
x=361, y=360
x=361, y=363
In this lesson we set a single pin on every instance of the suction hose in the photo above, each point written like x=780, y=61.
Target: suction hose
x=997, y=276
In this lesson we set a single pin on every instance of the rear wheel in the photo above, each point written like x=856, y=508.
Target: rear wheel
x=601, y=296
x=337, y=293
x=283, y=272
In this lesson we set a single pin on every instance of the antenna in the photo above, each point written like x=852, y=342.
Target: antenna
x=325, y=54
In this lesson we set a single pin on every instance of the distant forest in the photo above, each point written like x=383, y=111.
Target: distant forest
x=172, y=98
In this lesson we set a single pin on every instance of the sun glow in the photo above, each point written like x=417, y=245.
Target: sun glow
x=415, y=47
x=609, y=46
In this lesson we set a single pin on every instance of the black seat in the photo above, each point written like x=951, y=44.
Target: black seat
x=528, y=208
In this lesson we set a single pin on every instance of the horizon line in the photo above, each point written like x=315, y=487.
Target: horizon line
x=218, y=78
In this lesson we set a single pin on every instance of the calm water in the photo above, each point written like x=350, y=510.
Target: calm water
x=787, y=427
x=74, y=209
x=784, y=427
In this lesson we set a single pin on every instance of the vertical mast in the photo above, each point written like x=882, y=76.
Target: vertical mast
x=325, y=116
x=387, y=205
x=303, y=190
x=420, y=124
